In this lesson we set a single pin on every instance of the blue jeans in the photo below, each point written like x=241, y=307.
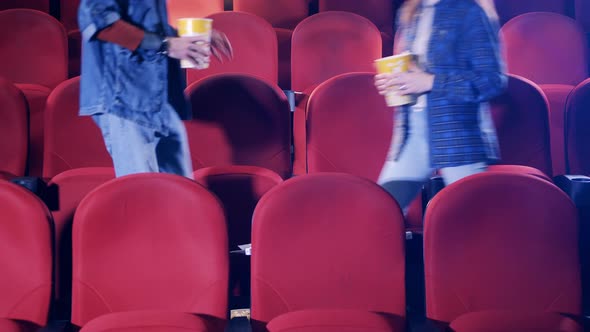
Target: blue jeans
x=403, y=178
x=136, y=148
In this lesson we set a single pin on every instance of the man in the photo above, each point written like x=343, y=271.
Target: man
x=132, y=84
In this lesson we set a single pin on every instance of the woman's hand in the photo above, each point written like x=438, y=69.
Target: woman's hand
x=414, y=81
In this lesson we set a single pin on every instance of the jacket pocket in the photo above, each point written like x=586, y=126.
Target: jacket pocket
x=140, y=84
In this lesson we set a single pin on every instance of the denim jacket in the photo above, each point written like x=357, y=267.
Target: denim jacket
x=464, y=56
x=131, y=84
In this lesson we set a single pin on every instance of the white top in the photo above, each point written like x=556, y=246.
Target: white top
x=420, y=45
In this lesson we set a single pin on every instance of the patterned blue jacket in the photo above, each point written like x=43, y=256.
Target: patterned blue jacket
x=464, y=56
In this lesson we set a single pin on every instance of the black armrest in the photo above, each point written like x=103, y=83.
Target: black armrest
x=577, y=187
x=34, y=184
x=238, y=324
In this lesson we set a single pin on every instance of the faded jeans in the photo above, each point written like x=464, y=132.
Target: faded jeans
x=135, y=148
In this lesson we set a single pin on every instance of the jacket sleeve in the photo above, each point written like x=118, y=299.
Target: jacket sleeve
x=95, y=15
x=485, y=78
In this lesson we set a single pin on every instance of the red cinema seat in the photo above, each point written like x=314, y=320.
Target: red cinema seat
x=335, y=262
x=149, y=253
x=254, y=44
x=251, y=128
x=501, y=242
x=34, y=56
x=13, y=128
x=71, y=141
x=26, y=260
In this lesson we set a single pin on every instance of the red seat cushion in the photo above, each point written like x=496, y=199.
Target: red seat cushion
x=326, y=320
x=149, y=320
x=512, y=321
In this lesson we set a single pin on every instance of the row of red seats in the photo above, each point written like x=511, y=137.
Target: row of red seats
x=345, y=127
x=151, y=251
x=327, y=35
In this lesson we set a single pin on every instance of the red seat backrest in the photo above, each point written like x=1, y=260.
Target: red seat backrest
x=331, y=43
x=71, y=141
x=536, y=49
x=380, y=12
x=149, y=241
x=280, y=13
x=250, y=128
x=42, y=5
x=521, y=117
x=501, y=241
x=67, y=190
x=25, y=255
x=509, y=9
x=577, y=135
x=349, y=127
x=192, y=8
x=14, y=129
x=323, y=241
x=254, y=44
x=33, y=48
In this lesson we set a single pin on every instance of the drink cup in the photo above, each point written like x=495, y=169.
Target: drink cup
x=191, y=27
x=399, y=63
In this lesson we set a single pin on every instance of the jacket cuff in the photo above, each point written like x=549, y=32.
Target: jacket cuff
x=100, y=22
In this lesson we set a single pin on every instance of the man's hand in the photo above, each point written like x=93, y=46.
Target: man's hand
x=220, y=46
x=194, y=49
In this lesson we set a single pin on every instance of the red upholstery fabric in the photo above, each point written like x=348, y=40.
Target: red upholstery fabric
x=6, y=176
x=557, y=95
x=342, y=247
x=519, y=169
x=20, y=58
x=36, y=96
x=34, y=72
x=192, y=8
x=149, y=241
x=509, y=321
x=380, y=12
x=25, y=256
x=497, y=241
x=68, y=14
x=536, y=49
x=576, y=131
x=71, y=141
x=280, y=13
x=8, y=325
x=521, y=117
x=239, y=188
x=254, y=43
x=14, y=129
x=42, y=5
x=69, y=188
x=509, y=9
x=322, y=44
x=153, y=321
x=250, y=128
x=349, y=127
x=333, y=321
x=283, y=15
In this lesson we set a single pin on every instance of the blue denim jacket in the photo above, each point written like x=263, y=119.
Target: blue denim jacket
x=464, y=56
x=134, y=85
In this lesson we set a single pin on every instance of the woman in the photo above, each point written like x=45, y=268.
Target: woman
x=457, y=69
